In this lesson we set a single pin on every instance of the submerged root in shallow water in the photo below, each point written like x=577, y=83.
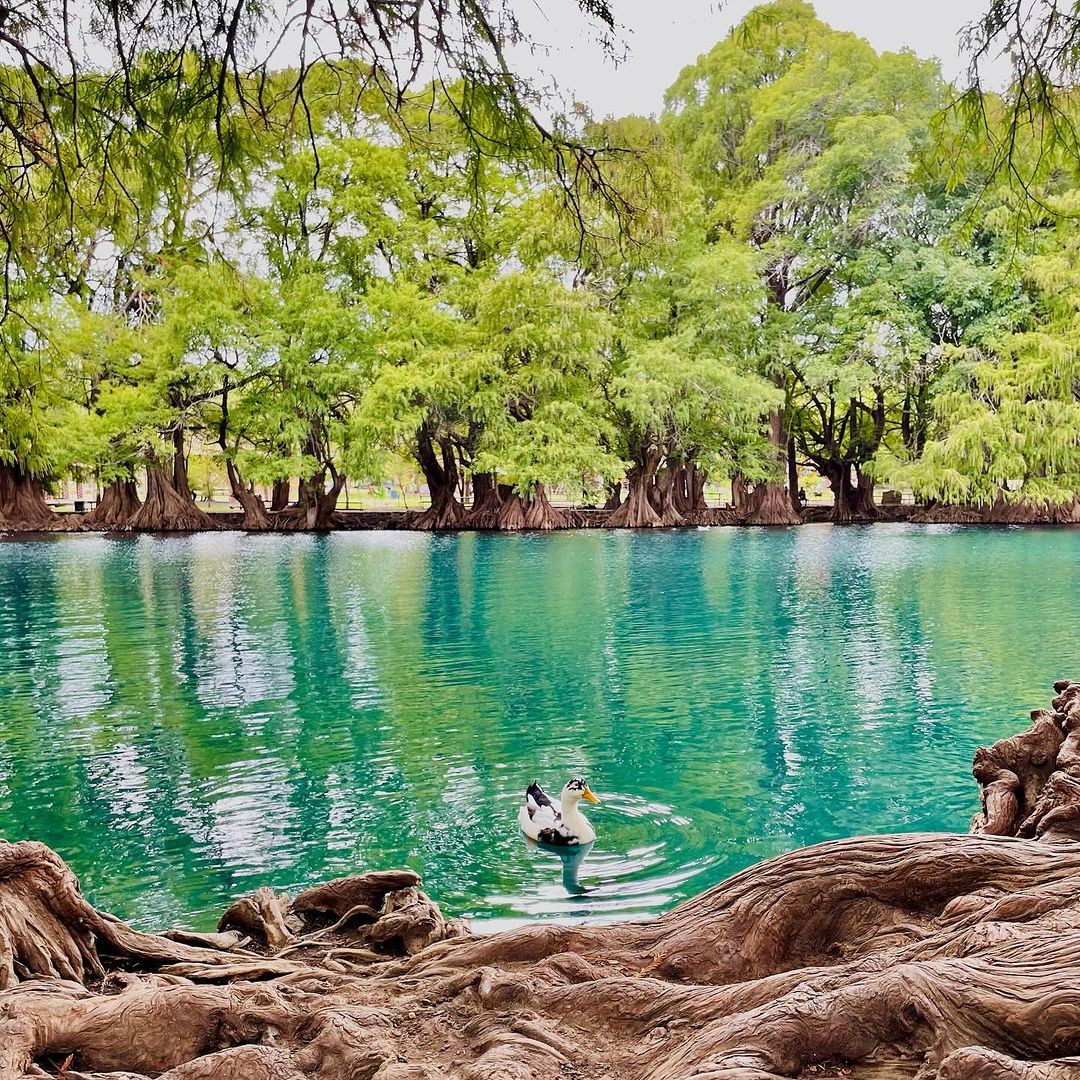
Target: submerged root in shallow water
x=891, y=956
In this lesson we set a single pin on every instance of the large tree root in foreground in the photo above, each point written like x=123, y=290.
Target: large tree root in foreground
x=895, y=956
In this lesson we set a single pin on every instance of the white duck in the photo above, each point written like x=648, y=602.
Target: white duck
x=539, y=820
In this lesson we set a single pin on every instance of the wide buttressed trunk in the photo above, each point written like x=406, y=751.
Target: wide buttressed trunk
x=22, y=502
x=279, y=497
x=119, y=503
x=165, y=510
x=936, y=513
x=637, y=510
x=852, y=503
x=315, y=508
x=1025, y=512
x=445, y=512
x=771, y=503
x=881, y=958
x=255, y=516
x=488, y=498
x=437, y=459
x=532, y=512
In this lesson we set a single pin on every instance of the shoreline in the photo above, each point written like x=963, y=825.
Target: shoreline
x=69, y=523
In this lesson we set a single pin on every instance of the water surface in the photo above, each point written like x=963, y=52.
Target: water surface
x=184, y=719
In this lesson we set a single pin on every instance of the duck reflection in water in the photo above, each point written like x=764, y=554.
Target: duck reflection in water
x=571, y=859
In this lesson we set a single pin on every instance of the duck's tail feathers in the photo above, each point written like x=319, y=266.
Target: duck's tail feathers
x=535, y=792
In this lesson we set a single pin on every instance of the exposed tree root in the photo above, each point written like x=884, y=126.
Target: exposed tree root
x=534, y=512
x=22, y=503
x=166, y=510
x=488, y=498
x=925, y=955
x=770, y=504
x=117, y=506
x=935, y=513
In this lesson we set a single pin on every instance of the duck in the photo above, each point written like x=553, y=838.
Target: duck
x=566, y=826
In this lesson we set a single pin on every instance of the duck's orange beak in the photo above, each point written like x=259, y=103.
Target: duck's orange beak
x=588, y=796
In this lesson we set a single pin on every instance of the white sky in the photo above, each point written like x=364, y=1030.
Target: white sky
x=665, y=35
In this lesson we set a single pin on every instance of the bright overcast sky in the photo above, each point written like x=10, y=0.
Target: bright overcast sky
x=665, y=35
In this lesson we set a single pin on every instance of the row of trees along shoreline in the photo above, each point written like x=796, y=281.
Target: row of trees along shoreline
x=805, y=261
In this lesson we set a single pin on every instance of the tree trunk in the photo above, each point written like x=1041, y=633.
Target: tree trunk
x=851, y=503
x=442, y=476
x=950, y=957
x=165, y=510
x=255, y=516
x=118, y=504
x=863, y=505
x=614, y=497
x=180, y=470
x=487, y=501
x=770, y=503
x=512, y=511
x=637, y=511
x=740, y=492
x=279, y=498
x=935, y=513
x=315, y=504
x=793, y=476
x=663, y=500
x=541, y=515
x=22, y=503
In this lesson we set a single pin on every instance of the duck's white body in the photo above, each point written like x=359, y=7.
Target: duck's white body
x=541, y=821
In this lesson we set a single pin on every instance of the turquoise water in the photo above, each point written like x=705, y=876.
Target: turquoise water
x=184, y=719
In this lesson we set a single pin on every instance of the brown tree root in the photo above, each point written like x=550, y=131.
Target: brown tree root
x=936, y=513
x=770, y=504
x=22, y=503
x=118, y=504
x=166, y=510
x=921, y=955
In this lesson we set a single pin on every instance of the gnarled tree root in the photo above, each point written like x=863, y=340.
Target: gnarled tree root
x=922, y=955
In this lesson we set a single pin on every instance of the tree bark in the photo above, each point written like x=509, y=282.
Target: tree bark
x=180, y=470
x=740, y=492
x=663, y=496
x=442, y=475
x=637, y=511
x=255, y=516
x=793, y=475
x=487, y=501
x=935, y=513
x=165, y=510
x=315, y=504
x=863, y=504
x=614, y=497
x=279, y=498
x=541, y=515
x=770, y=503
x=950, y=957
x=118, y=504
x=22, y=502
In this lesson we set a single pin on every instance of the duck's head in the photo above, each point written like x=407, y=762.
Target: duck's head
x=576, y=790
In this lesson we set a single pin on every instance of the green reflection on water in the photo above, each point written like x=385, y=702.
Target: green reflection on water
x=186, y=718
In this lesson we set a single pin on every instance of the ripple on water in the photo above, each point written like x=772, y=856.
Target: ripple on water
x=186, y=717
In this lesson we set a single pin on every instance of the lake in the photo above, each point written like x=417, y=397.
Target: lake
x=184, y=719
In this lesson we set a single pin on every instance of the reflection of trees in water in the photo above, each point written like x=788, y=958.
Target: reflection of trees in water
x=192, y=710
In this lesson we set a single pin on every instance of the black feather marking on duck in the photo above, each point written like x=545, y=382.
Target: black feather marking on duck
x=556, y=838
x=538, y=795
